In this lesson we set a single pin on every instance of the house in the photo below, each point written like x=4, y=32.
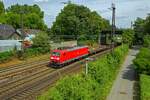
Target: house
x=7, y=32
x=29, y=34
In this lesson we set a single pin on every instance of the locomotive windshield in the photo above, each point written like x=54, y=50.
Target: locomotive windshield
x=56, y=54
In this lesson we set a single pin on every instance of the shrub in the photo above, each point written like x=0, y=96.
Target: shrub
x=95, y=86
x=145, y=87
x=4, y=56
x=77, y=87
x=142, y=63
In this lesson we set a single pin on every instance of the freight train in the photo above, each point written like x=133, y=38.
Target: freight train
x=61, y=57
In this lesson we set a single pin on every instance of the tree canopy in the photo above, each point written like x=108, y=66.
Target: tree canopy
x=32, y=17
x=128, y=36
x=78, y=20
x=141, y=28
x=26, y=9
x=2, y=8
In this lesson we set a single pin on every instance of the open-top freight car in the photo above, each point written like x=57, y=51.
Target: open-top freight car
x=61, y=57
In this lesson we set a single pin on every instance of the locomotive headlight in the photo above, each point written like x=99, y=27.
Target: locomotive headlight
x=57, y=58
x=52, y=57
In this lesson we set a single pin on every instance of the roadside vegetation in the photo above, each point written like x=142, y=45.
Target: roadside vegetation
x=5, y=56
x=142, y=61
x=145, y=87
x=142, y=65
x=94, y=86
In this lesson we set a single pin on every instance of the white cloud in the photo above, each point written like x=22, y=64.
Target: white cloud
x=40, y=0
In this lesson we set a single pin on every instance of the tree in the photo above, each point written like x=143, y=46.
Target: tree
x=12, y=19
x=32, y=17
x=147, y=24
x=2, y=8
x=146, y=41
x=41, y=40
x=78, y=20
x=26, y=9
x=33, y=21
x=139, y=29
x=128, y=36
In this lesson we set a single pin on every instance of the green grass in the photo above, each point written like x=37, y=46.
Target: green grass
x=94, y=86
x=145, y=87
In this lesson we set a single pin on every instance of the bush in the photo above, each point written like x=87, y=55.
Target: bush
x=78, y=87
x=145, y=87
x=95, y=86
x=146, y=41
x=104, y=70
x=142, y=61
x=4, y=56
x=36, y=51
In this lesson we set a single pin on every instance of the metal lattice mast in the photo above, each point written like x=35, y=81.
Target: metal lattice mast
x=113, y=24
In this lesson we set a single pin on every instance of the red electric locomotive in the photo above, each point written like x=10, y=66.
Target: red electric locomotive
x=61, y=57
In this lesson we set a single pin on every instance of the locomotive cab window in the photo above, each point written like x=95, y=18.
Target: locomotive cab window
x=64, y=54
x=55, y=53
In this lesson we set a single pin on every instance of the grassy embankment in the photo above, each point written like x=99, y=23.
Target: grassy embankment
x=94, y=86
x=142, y=65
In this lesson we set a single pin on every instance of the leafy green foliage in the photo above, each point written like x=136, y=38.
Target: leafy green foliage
x=78, y=20
x=26, y=9
x=145, y=87
x=12, y=19
x=79, y=87
x=139, y=29
x=4, y=56
x=34, y=21
x=41, y=40
x=146, y=41
x=2, y=8
x=142, y=63
x=147, y=24
x=32, y=17
x=95, y=86
x=128, y=36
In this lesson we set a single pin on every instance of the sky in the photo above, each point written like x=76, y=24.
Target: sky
x=126, y=10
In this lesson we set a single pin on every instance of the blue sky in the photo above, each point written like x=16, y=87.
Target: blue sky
x=127, y=10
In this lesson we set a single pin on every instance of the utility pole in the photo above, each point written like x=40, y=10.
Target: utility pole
x=22, y=32
x=131, y=25
x=113, y=25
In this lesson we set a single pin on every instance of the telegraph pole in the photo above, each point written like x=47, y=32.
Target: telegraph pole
x=113, y=25
x=131, y=25
x=22, y=32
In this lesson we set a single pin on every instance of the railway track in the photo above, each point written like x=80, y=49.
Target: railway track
x=20, y=71
x=27, y=87
x=20, y=65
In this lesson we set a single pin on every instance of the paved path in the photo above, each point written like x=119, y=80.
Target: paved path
x=123, y=87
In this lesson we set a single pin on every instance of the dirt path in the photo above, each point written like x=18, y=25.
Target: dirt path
x=124, y=85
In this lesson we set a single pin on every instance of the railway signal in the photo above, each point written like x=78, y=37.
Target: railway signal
x=86, y=64
x=113, y=8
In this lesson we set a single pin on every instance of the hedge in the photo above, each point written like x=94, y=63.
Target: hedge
x=95, y=86
x=145, y=87
x=142, y=61
x=142, y=65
